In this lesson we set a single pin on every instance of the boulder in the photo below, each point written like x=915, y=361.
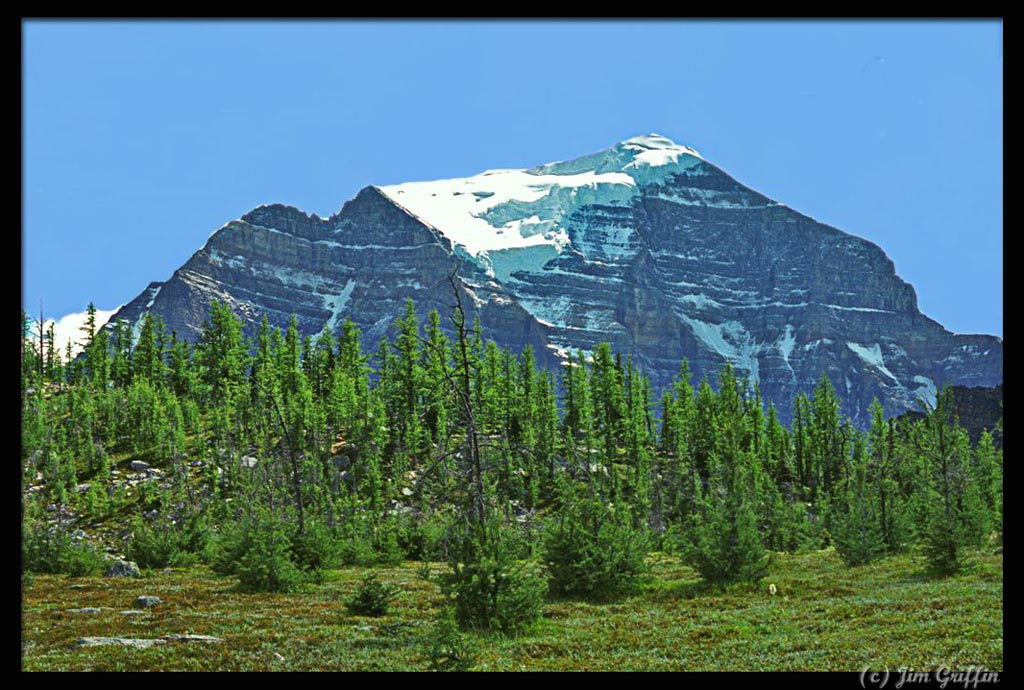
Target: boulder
x=121, y=568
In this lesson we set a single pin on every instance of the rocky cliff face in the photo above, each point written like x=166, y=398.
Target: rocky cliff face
x=978, y=409
x=645, y=245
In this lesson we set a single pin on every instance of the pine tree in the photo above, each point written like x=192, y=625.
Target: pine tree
x=408, y=384
x=950, y=515
x=676, y=493
x=121, y=364
x=988, y=472
x=52, y=355
x=826, y=439
x=221, y=354
x=883, y=476
x=856, y=527
x=147, y=358
x=724, y=543
x=608, y=395
x=802, y=447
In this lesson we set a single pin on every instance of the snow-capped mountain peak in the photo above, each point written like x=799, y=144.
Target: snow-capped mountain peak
x=658, y=142
x=643, y=245
x=490, y=217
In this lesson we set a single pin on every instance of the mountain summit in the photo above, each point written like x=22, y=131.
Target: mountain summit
x=644, y=244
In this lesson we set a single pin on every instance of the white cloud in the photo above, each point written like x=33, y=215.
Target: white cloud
x=69, y=327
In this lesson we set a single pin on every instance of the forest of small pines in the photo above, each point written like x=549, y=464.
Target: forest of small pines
x=273, y=459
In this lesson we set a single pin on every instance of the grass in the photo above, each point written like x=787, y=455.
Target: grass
x=824, y=616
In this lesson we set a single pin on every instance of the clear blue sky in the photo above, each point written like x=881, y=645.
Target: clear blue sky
x=141, y=138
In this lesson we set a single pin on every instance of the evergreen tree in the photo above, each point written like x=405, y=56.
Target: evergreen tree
x=950, y=514
x=988, y=474
x=724, y=543
x=856, y=526
x=883, y=476
x=147, y=357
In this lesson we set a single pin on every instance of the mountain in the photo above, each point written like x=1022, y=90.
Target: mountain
x=977, y=410
x=646, y=245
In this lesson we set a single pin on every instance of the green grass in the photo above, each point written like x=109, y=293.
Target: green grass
x=824, y=616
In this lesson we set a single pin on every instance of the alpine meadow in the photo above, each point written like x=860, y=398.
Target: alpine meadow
x=615, y=412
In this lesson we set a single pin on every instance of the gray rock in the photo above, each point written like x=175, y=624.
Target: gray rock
x=87, y=609
x=193, y=638
x=135, y=643
x=139, y=465
x=144, y=643
x=249, y=461
x=145, y=602
x=278, y=657
x=120, y=568
x=132, y=612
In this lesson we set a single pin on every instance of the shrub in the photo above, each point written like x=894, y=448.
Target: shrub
x=314, y=550
x=266, y=565
x=387, y=543
x=47, y=550
x=367, y=543
x=166, y=543
x=447, y=648
x=357, y=549
x=152, y=547
x=423, y=539
x=856, y=532
x=373, y=598
x=490, y=590
x=723, y=543
x=226, y=549
x=594, y=551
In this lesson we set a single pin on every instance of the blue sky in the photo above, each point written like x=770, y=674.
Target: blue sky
x=141, y=138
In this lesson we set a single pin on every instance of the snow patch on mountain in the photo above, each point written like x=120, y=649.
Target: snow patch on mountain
x=152, y=297
x=873, y=357
x=549, y=312
x=505, y=262
x=457, y=208
x=730, y=340
x=511, y=209
x=926, y=390
x=786, y=344
x=336, y=305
